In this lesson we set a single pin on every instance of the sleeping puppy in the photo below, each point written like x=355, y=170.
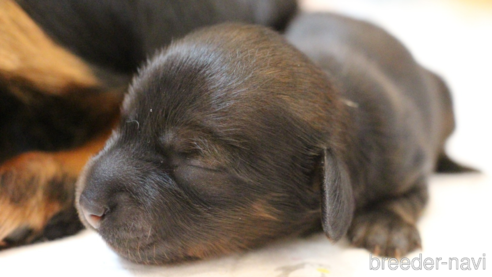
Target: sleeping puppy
x=64, y=68
x=231, y=138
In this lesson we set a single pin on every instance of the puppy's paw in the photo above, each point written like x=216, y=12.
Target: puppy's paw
x=33, y=188
x=384, y=233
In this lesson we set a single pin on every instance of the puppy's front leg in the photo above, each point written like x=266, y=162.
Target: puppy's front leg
x=388, y=228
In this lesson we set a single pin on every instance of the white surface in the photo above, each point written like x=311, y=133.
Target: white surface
x=453, y=39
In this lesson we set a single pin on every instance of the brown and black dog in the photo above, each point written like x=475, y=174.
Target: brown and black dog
x=64, y=68
x=232, y=137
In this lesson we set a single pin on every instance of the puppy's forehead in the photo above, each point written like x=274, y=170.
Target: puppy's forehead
x=214, y=64
x=226, y=79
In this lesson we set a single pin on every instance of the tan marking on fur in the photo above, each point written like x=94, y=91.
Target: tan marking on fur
x=404, y=213
x=261, y=209
x=28, y=55
x=35, y=211
x=75, y=160
x=33, y=215
x=211, y=248
x=244, y=236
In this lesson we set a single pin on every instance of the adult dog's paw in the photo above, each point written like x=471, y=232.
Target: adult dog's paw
x=384, y=233
x=33, y=188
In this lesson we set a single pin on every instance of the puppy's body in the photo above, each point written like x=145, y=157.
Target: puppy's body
x=399, y=114
x=232, y=137
x=398, y=120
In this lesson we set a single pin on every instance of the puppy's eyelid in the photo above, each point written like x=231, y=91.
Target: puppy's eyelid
x=201, y=162
x=202, y=166
x=196, y=151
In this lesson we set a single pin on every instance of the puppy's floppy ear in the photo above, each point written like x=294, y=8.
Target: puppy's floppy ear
x=337, y=202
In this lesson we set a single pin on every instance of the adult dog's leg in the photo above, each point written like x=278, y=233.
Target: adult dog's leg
x=388, y=228
x=36, y=186
x=55, y=101
x=51, y=99
x=29, y=56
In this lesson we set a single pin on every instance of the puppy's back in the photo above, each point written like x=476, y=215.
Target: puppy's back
x=376, y=70
x=400, y=113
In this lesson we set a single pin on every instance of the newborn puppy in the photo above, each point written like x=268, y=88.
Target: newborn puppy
x=231, y=138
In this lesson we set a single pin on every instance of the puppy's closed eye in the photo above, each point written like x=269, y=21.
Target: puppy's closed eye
x=204, y=180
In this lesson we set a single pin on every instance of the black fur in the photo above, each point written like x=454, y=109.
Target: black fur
x=118, y=35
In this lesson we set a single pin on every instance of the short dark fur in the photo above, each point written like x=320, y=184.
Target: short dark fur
x=119, y=34
x=232, y=137
x=104, y=42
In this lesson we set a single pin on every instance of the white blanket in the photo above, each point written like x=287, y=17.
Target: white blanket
x=450, y=37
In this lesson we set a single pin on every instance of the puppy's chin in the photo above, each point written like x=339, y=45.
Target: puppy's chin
x=157, y=253
x=143, y=250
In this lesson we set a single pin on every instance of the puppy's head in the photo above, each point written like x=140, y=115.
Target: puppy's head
x=227, y=140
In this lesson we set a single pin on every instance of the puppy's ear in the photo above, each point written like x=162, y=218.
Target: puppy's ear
x=337, y=202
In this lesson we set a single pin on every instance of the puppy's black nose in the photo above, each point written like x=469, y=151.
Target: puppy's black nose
x=92, y=211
